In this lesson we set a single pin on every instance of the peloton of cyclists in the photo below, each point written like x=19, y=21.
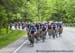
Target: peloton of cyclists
x=38, y=31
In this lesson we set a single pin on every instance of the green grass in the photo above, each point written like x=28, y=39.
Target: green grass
x=12, y=36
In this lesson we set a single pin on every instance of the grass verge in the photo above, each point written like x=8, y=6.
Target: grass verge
x=6, y=39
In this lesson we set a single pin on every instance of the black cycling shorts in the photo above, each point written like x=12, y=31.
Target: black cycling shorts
x=32, y=32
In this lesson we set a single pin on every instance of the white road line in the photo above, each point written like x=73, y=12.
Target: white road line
x=15, y=51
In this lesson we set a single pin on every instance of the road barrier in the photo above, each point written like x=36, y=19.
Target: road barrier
x=69, y=24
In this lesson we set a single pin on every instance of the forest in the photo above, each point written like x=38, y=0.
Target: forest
x=36, y=10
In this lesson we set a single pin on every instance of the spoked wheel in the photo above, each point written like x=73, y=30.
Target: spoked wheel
x=31, y=39
x=43, y=36
x=49, y=34
x=53, y=36
x=60, y=31
x=32, y=43
x=60, y=34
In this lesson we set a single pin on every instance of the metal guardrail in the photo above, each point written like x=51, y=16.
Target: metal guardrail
x=69, y=24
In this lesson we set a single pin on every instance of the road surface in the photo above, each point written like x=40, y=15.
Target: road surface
x=64, y=44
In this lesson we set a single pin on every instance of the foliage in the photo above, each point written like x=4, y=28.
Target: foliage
x=36, y=10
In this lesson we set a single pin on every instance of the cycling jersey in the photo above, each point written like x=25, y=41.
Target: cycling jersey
x=43, y=28
x=33, y=29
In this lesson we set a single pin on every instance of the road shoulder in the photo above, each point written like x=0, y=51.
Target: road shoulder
x=11, y=47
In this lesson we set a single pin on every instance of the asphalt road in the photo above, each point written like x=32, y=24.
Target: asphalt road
x=63, y=44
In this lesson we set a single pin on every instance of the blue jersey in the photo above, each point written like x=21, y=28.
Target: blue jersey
x=43, y=28
x=33, y=28
x=37, y=26
x=29, y=26
x=59, y=24
x=54, y=26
